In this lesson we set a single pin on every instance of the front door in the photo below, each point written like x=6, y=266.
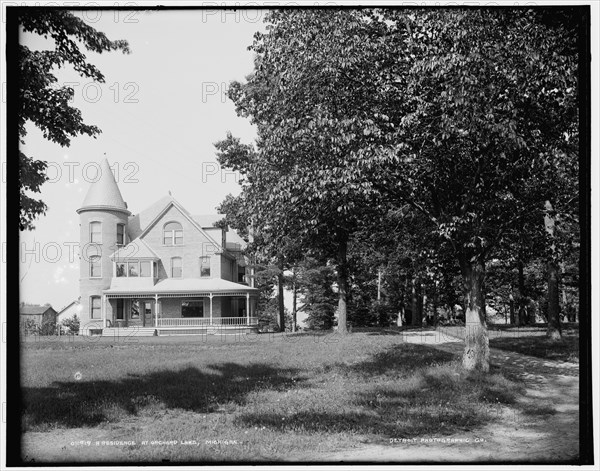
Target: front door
x=147, y=319
x=141, y=313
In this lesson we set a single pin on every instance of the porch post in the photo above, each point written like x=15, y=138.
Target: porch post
x=210, y=296
x=103, y=311
x=247, y=308
x=156, y=310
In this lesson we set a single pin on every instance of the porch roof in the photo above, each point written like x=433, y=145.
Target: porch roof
x=185, y=286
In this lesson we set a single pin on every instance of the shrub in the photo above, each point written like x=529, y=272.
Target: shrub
x=72, y=324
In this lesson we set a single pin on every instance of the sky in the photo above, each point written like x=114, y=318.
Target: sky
x=160, y=110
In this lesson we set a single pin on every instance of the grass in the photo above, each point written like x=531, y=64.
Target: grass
x=566, y=349
x=255, y=400
x=530, y=340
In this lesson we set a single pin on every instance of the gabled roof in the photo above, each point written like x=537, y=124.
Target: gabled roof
x=104, y=193
x=32, y=310
x=68, y=306
x=174, y=203
x=185, y=285
x=134, y=250
x=138, y=223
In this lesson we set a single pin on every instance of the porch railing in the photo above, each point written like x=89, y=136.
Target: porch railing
x=205, y=321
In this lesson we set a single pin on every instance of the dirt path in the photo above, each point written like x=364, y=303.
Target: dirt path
x=543, y=428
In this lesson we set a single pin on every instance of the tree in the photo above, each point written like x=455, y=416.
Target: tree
x=44, y=103
x=306, y=100
x=449, y=112
x=473, y=97
x=315, y=281
x=72, y=324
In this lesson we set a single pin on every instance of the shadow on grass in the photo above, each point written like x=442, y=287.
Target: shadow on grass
x=405, y=391
x=400, y=359
x=566, y=349
x=88, y=403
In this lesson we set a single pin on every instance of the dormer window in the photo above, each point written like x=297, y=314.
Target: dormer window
x=145, y=268
x=96, y=232
x=133, y=269
x=173, y=234
x=120, y=234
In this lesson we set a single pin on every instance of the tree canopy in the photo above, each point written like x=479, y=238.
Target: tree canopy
x=459, y=115
x=42, y=101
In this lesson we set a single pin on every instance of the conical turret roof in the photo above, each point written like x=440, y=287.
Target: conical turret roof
x=104, y=193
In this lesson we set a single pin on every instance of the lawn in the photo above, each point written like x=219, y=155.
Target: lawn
x=530, y=340
x=266, y=397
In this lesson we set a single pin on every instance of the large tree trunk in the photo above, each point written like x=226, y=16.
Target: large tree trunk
x=417, y=315
x=294, y=300
x=554, y=329
x=477, y=351
x=435, y=304
x=512, y=309
x=522, y=316
x=342, y=276
x=566, y=305
x=281, y=305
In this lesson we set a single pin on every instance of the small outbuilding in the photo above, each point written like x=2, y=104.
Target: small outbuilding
x=43, y=316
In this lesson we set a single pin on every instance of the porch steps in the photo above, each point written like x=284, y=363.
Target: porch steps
x=129, y=332
x=208, y=331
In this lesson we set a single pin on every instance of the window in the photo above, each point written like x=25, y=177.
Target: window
x=133, y=268
x=95, y=267
x=96, y=232
x=204, y=267
x=121, y=269
x=173, y=234
x=120, y=234
x=95, y=307
x=192, y=308
x=145, y=268
x=242, y=276
x=176, y=267
x=120, y=309
x=155, y=269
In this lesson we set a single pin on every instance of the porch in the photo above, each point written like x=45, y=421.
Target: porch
x=207, y=322
x=180, y=307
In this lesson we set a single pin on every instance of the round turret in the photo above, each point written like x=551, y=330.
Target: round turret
x=103, y=220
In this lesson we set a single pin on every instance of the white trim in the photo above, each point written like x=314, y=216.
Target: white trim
x=92, y=308
x=173, y=236
x=248, y=307
x=90, y=232
x=103, y=304
x=95, y=277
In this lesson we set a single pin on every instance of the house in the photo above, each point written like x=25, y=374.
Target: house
x=162, y=271
x=41, y=315
x=67, y=312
